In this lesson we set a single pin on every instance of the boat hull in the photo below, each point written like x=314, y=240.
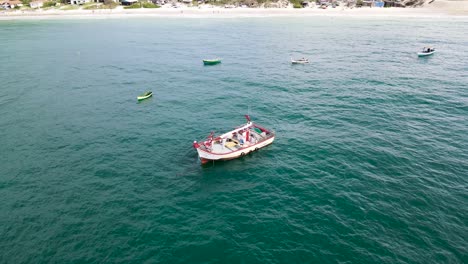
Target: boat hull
x=207, y=156
x=424, y=54
x=139, y=98
x=211, y=62
x=299, y=62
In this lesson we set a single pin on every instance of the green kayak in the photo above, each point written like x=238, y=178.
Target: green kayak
x=211, y=62
x=145, y=96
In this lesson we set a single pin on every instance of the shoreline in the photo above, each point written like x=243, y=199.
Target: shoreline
x=191, y=12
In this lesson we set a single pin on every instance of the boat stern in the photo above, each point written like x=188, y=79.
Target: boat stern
x=202, y=155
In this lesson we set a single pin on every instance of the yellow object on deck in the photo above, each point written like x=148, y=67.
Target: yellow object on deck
x=230, y=144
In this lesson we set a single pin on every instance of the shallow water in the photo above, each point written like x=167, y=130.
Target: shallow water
x=370, y=162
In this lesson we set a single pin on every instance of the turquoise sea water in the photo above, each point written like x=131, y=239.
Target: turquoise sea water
x=370, y=163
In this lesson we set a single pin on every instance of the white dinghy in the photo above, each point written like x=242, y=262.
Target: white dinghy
x=426, y=52
x=300, y=61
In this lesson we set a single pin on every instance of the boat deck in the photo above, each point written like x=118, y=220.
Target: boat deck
x=228, y=147
x=231, y=144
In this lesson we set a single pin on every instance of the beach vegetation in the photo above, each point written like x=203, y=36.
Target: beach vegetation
x=252, y=3
x=248, y=3
x=49, y=4
x=110, y=4
x=142, y=5
x=69, y=7
x=24, y=8
x=133, y=6
x=94, y=6
x=217, y=3
x=91, y=6
x=88, y=4
x=257, y=2
x=270, y=4
x=296, y=3
x=149, y=5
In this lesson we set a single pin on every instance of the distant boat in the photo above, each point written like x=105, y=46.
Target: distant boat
x=426, y=52
x=145, y=96
x=234, y=144
x=212, y=61
x=300, y=61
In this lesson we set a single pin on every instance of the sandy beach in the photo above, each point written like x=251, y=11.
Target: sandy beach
x=437, y=9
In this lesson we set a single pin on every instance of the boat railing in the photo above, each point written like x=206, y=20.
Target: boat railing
x=260, y=139
x=268, y=134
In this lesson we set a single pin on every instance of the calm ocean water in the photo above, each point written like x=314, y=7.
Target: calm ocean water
x=370, y=164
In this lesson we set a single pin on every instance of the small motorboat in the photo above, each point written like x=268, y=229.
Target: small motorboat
x=426, y=52
x=235, y=143
x=212, y=61
x=145, y=96
x=300, y=61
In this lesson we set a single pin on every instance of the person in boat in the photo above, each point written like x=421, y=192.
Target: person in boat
x=240, y=137
x=253, y=140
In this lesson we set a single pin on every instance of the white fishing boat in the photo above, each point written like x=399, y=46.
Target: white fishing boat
x=300, y=61
x=235, y=143
x=426, y=52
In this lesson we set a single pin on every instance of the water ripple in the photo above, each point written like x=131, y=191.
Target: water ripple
x=368, y=165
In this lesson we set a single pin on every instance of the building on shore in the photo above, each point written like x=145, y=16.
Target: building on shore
x=78, y=2
x=9, y=4
x=36, y=4
x=373, y=3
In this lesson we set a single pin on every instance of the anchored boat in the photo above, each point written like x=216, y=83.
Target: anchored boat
x=145, y=96
x=234, y=144
x=212, y=61
x=300, y=61
x=426, y=52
